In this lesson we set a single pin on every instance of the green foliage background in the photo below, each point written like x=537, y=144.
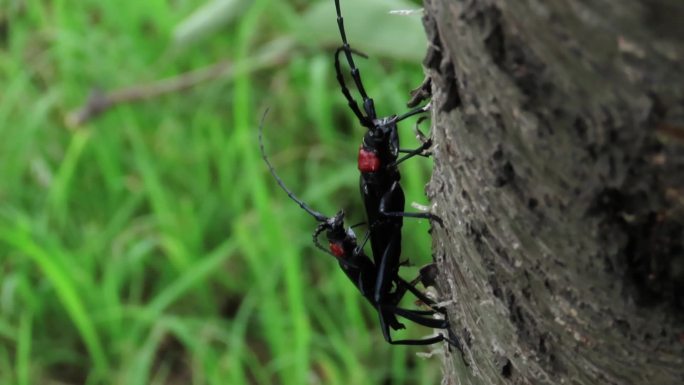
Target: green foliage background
x=150, y=245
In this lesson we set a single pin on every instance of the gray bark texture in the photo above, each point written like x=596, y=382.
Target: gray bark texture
x=559, y=176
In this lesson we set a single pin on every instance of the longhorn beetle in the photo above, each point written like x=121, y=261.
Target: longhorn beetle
x=378, y=158
x=368, y=278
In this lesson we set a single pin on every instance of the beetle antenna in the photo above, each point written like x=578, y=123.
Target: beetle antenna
x=319, y=229
x=318, y=216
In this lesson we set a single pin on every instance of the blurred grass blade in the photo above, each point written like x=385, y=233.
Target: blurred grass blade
x=207, y=19
x=196, y=274
x=370, y=27
x=59, y=192
x=24, y=349
x=139, y=372
x=66, y=290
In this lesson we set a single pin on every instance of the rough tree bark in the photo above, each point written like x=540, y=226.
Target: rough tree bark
x=559, y=175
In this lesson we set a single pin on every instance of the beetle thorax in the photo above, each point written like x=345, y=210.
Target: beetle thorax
x=369, y=160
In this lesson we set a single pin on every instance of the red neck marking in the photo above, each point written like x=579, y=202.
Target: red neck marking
x=368, y=161
x=337, y=249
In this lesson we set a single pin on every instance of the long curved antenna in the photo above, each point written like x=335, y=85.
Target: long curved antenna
x=321, y=227
x=318, y=216
x=368, y=105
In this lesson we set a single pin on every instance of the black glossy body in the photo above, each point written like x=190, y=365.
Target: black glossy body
x=381, y=191
x=379, y=283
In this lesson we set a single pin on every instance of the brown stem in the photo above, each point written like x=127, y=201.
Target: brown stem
x=99, y=101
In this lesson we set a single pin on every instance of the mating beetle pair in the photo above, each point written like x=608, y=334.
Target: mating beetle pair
x=378, y=279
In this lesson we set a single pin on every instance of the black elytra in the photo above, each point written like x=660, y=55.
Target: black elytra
x=366, y=275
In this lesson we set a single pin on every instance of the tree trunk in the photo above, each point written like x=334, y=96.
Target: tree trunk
x=559, y=176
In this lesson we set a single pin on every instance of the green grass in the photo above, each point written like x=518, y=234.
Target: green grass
x=150, y=245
